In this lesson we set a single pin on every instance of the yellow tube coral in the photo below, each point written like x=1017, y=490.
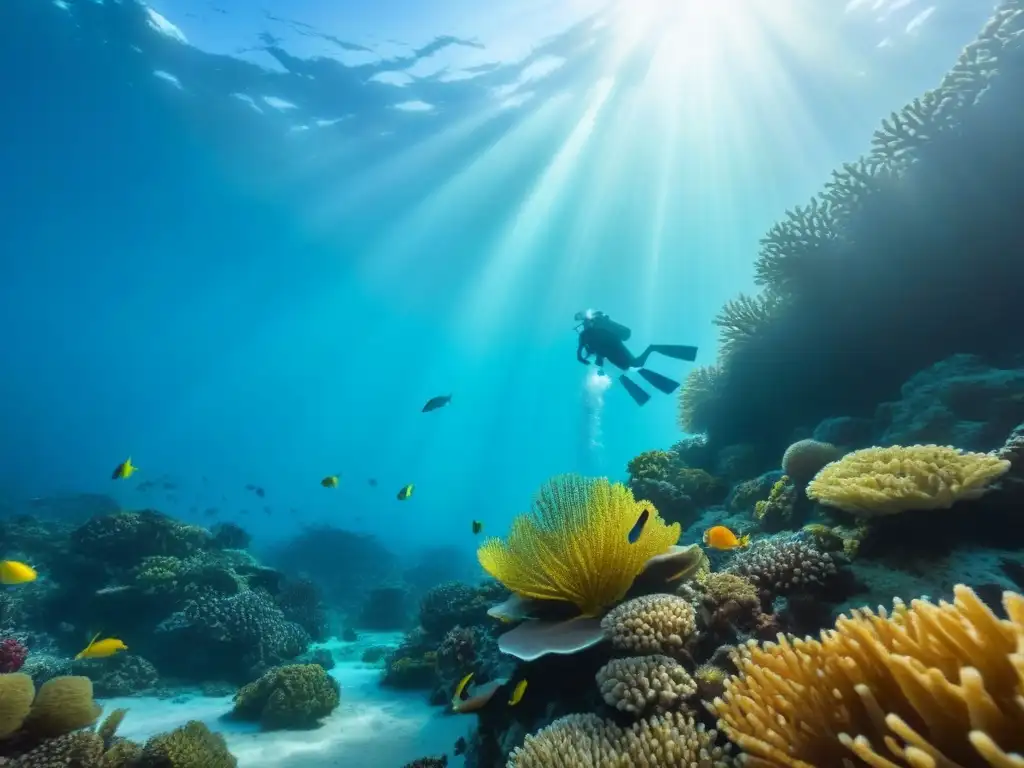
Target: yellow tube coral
x=574, y=546
x=885, y=481
x=931, y=686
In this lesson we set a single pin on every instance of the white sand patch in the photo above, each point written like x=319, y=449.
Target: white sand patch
x=374, y=727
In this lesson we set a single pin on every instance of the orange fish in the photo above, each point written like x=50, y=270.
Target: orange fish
x=721, y=537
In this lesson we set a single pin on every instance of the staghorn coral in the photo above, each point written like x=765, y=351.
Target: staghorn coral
x=697, y=398
x=805, y=458
x=193, y=745
x=783, y=566
x=643, y=684
x=927, y=686
x=651, y=624
x=886, y=481
x=742, y=318
x=573, y=546
x=293, y=696
x=672, y=740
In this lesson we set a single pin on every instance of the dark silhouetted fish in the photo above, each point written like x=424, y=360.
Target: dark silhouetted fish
x=638, y=527
x=437, y=402
x=406, y=492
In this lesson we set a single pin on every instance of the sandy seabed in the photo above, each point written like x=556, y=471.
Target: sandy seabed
x=373, y=727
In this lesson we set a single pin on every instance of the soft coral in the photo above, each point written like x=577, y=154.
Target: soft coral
x=12, y=655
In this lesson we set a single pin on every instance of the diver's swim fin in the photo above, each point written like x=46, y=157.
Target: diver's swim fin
x=634, y=390
x=675, y=351
x=659, y=382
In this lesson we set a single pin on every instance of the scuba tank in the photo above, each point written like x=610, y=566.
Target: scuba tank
x=601, y=321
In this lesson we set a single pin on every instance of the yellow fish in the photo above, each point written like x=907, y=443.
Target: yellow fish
x=459, y=690
x=406, y=492
x=331, y=481
x=13, y=572
x=721, y=537
x=124, y=470
x=477, y=526
x=517, y=693
x=100, y=650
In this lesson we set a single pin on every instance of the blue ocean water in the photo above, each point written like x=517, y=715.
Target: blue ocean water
x=244, y=243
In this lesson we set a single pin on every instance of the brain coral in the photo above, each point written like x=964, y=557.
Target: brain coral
x=885, y=481
x=651, y=624
x=642, y=683
x=672, y=740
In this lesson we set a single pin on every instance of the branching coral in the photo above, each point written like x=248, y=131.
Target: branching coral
x=651, y=624
x=886, y=481
x=641, y=684
x=743, y=318
x=927, y=686
x=574, y=545
x=651, y=465
x=672, y=740
x=697, y=398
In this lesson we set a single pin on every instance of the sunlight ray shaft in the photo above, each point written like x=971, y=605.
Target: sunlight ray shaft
x=518, y=247
x=415, y=236
x=420, y=159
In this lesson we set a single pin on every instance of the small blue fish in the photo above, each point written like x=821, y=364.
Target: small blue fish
x=638, y=527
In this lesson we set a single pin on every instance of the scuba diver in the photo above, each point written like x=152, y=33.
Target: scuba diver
x=605, y=339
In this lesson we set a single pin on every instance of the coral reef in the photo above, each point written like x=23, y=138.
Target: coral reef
x=784, y=566
x=786, y=353
x=296, y=696
x=385, y=608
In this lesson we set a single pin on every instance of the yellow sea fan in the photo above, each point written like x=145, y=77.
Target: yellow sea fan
x=573, y=545
x=885, y=481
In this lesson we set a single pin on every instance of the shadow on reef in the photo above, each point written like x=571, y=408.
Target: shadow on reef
x=881, y=274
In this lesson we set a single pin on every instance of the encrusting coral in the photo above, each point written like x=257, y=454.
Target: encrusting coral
x=927, y=686
x=672, y=740
x=885, y=481
x=641, y=684
x=574, y=546
x=651, y=624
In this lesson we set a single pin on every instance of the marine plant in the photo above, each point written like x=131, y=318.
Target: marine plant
x=885, y=481
x=925, y=686
x=574, y=545
x=294, y=696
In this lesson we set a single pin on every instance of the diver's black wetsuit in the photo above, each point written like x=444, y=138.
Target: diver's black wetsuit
x=605, y=340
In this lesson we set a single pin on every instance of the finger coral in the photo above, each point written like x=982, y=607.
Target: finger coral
x=672, y=740
x=928, y=686
x=574, y=545
x=886, y=481
x=640, y=684
x=651, y=624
